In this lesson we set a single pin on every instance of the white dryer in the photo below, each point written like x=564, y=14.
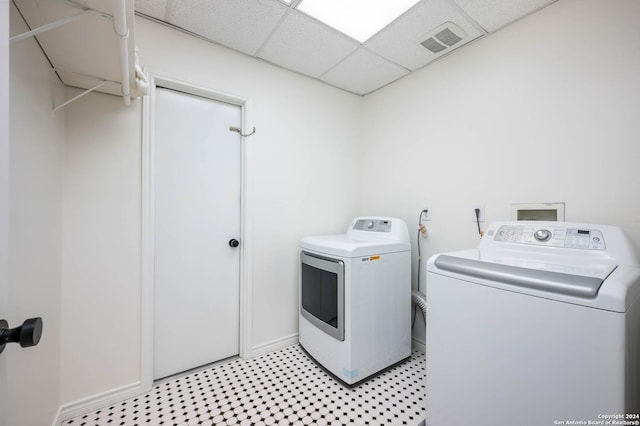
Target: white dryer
x=540, y=325
x=355, y=298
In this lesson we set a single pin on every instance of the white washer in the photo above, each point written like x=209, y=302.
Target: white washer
x=355, y=298
x=540, y=325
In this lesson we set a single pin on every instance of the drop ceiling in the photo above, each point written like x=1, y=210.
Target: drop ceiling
x=278, y=33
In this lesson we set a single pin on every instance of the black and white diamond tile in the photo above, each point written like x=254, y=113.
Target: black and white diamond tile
x=284, y=387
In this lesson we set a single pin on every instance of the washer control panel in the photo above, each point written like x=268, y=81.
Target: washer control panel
x=372, y=225
x=576, y=238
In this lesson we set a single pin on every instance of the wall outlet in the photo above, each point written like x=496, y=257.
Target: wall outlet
x=473, y=213
x=426, y=214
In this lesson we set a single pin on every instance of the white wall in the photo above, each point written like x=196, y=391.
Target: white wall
x=101, y=246
x=303, y=173
x=35, y=190
x=544, y=110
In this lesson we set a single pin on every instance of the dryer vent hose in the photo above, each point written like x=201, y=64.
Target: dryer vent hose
x=420, y=300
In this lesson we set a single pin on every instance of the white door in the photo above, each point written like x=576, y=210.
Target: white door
x=197, y=214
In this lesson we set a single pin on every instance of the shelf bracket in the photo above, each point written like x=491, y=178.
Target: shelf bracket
x=56, y=24
x=120, y=29
x=80, y=95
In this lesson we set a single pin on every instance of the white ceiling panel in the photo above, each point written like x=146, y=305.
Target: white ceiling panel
x=154, y=8
x=239, y=24
x=495, y=14
x=307, y=46
x=401, y=40
x=363, y=72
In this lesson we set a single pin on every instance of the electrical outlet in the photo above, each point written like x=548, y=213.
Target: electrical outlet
x=473, y=213
x=426, y=214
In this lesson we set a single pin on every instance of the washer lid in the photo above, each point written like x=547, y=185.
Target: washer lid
x=616, y=286
x=343, y=246
x=560, y=279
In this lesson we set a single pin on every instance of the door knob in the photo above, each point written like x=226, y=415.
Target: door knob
x=234, y=243
x=28, y=334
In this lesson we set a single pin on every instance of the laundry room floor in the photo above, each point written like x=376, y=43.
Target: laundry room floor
x=284, y=387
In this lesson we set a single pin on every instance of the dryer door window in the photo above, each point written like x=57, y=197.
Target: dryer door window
x=322, y=293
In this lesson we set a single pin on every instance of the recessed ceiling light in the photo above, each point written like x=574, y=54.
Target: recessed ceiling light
x=359, y=19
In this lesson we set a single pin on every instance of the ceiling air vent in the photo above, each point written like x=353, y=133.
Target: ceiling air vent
x=443, y=37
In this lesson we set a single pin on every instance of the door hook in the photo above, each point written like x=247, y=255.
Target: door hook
x=238, y=130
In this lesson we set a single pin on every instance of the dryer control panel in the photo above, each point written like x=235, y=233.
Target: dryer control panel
x=378, y=228
x=372, y=225
x=554, y=236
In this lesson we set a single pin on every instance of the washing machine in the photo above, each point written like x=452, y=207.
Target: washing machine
x=539, y=325
x=355, y=298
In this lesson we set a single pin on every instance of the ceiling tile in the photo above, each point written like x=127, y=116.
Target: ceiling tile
x=305, y=45
x=400, y=41
x=243, y=25
x=363, y=72
x=495, y=14
x=154, y=8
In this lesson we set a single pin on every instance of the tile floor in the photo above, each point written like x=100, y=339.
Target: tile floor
x=284, y=387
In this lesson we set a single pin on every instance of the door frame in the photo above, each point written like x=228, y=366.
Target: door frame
x=4, y=192
x=148, y=215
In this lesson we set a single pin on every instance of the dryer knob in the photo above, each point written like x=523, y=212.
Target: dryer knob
x=370, y=224
x=542, y=235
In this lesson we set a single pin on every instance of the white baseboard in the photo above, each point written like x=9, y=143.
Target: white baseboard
x=273, y=345
x=418, y=345
x=95, y=402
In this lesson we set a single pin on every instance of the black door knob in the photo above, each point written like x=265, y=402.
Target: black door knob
x=234, y=243
x=28, y=334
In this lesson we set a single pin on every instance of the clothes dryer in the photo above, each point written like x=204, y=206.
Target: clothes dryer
x=355, y=298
